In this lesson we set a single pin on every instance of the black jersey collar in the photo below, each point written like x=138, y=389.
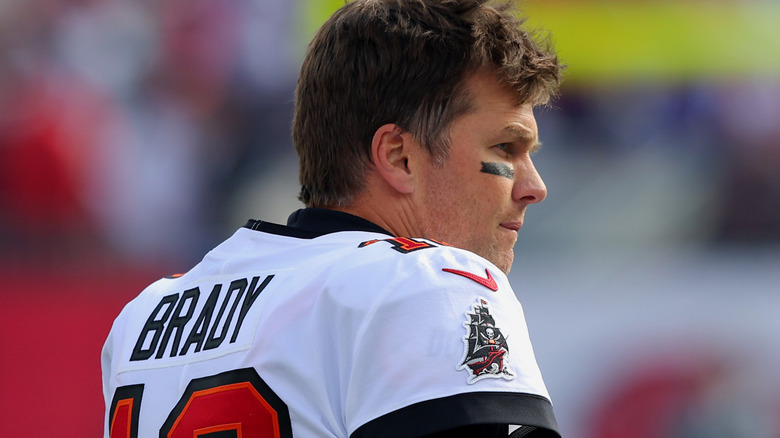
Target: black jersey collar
x=314, y=222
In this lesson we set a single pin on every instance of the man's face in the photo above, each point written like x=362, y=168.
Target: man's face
x=477, y=199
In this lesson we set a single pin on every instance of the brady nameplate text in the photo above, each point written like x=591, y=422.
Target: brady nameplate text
x=173, y=329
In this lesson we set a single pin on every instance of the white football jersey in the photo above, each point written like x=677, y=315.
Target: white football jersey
x=329, y=327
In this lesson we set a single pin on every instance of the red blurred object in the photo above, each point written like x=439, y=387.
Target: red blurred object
x=52, y=328
x=49, y=130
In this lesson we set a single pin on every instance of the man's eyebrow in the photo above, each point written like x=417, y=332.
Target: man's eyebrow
x=523, y=134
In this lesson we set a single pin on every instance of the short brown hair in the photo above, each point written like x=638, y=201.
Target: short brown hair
x=404, y=62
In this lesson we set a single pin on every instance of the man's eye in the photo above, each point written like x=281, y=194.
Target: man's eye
x=503, y=147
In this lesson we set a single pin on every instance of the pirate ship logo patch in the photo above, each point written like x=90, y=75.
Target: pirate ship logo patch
x=486, y=348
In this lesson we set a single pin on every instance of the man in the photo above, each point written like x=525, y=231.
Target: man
x=382, y=309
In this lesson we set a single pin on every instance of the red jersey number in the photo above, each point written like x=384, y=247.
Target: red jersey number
x=235, y=403
x=124, y=411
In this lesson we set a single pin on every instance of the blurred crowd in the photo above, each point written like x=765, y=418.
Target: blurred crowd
x=135, y=130
x=669, y=163
x=126, y=126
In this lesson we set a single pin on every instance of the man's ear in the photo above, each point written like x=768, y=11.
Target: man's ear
x=391, y=150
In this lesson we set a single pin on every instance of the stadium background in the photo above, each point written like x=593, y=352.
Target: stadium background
x=134, y=135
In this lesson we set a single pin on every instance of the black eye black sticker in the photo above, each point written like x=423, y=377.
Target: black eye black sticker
x=500, y=169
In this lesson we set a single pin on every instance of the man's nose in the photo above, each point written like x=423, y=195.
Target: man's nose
x=529, y=187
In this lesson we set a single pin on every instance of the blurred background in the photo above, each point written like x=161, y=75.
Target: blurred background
x=136, y=135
